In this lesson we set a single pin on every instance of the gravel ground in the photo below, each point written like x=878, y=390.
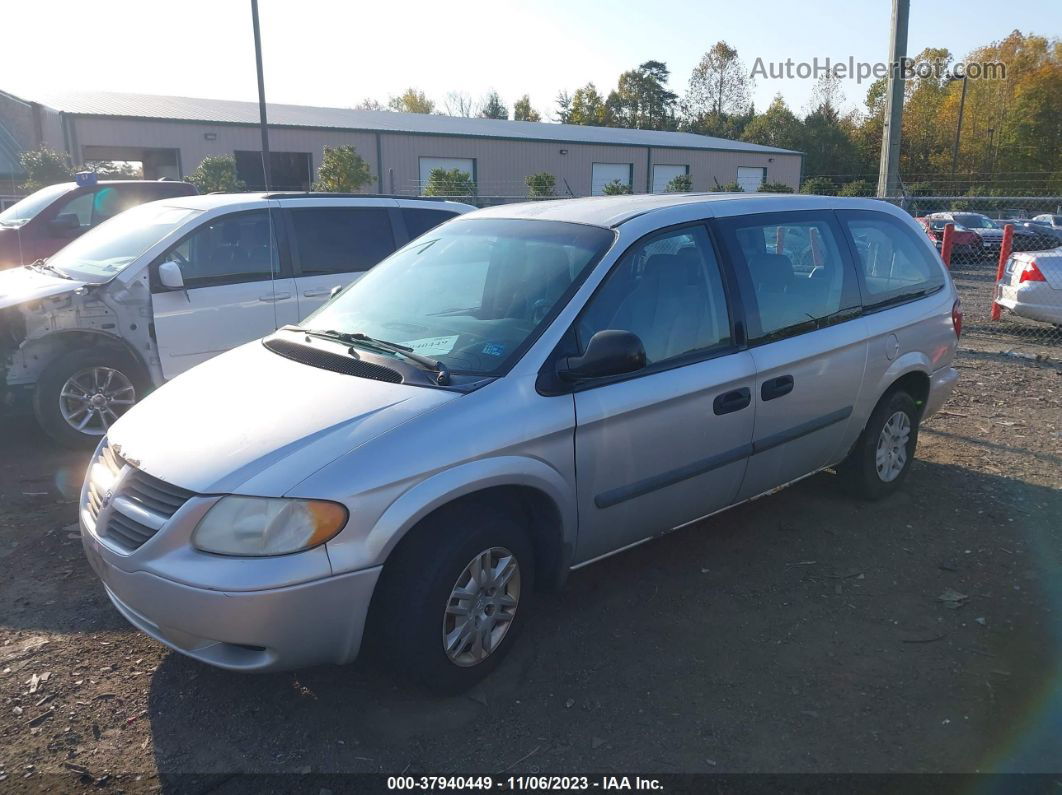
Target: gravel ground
x=803, y=632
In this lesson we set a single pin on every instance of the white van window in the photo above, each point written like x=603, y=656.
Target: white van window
x=232, y=249
x=105, y=250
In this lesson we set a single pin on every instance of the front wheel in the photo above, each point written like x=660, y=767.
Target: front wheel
x=882, y=457
x=453, y=599
x=83, y=392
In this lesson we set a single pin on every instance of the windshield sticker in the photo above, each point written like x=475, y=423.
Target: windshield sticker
x=432, y=346
x=493, y=349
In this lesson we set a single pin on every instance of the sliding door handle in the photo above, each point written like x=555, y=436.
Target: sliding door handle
x=732, y=401
x=316, y=293
x=274, y=297
x=776, y=387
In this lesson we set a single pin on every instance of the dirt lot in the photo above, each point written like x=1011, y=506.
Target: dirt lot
x=804, y=632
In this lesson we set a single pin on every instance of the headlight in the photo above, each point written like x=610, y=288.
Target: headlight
x=260, y=526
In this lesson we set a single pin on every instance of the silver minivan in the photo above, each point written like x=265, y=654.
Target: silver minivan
x=520, y=392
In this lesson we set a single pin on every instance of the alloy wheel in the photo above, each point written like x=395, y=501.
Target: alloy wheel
x=481, y=607
x=891, y=456
x=93, y=398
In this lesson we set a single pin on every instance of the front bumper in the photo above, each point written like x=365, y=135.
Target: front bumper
x=265, y=630
x=941, y=385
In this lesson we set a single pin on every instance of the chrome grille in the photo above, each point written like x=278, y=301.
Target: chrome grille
x=140, y=503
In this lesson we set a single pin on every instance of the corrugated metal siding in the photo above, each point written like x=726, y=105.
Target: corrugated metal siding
x=502, y=165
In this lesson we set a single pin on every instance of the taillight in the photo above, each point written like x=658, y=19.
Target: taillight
x=1031, y=273
x=956, y=317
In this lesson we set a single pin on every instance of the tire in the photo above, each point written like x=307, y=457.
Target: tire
x=860, y=471
x=76, y=372
x=417, y=587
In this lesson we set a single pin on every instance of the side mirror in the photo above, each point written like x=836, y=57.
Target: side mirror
x=65, y=225
x=609, y=352
x=170, y=276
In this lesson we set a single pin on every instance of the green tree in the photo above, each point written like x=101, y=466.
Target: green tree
x=827, y=143
x=586, y=106
x=642, y=100
x=412, y=100
x=616, y=188
x=541, y=185
x=680, y=183
x=342, y=170
x=493, y=107
x=216, y=174
x=774, y=187
x=522, y=110
x=452, y=183
x=776, y=126
x=44, y=167
x=818, y=186
x=857, y=187
x=728, y=187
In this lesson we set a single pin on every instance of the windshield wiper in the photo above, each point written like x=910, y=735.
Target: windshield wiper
x=442, y=374
x=42, y=265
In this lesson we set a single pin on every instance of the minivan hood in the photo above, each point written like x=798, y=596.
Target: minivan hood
x=252, y=422
x=19, y=285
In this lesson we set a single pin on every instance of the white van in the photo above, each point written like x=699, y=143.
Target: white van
x=169, y=284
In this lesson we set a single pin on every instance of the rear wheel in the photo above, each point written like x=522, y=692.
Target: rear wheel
x=83, y=392
x=454, y=597
x=882, y=457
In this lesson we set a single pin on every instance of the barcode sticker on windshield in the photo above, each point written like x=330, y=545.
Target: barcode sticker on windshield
x=432, y=346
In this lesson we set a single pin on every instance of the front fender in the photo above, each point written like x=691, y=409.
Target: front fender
x=372, y=549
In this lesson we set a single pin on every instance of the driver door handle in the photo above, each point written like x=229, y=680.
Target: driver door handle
x=315, y=293
x=732, y=401
x=274, y=297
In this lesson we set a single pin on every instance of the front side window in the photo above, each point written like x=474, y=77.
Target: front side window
x=472, y=294
x=107, y=249
x=80, y=207
x=341, y=239
x=230, y=249
x=795, y=270
x=892, y=261
x=668, y=291
x=25, y=210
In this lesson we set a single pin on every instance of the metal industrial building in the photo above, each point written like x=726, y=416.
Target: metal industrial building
x=170, y=136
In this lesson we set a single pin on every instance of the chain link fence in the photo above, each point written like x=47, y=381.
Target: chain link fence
x=1011, y=302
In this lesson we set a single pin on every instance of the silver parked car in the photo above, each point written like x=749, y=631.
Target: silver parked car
x=1031, y=286
x=520, y=392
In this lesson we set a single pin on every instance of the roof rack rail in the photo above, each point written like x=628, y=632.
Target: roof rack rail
x=310, y=194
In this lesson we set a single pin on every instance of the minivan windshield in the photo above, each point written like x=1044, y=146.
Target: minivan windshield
x=22, y=212
x=102, y=252
x=471, y=294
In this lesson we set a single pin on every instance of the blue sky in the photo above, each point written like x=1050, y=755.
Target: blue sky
x=336, y=53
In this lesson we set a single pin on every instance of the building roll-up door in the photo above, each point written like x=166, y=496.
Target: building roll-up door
x=604, y=173
x=663, y=174
x=750, y=179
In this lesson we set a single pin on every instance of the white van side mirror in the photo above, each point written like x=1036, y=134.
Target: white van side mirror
x=170, y=276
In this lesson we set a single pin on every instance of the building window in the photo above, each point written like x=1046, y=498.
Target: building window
x=430, y=164
x=750, y=179
x=664, y=173
x=287, y=170
x=604, y=173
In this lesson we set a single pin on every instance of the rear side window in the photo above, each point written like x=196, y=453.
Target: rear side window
x=341, y=239
x=893, y=262
x=419, y=221
x=794, y=270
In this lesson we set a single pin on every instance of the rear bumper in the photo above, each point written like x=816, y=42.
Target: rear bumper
x=941, y=385
x=1038, y=301
x=269, y=630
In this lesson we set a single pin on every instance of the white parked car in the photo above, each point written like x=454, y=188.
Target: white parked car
x=1031, y=286
x=169, y=284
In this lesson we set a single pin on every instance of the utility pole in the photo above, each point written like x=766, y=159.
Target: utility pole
x=261, y=96
x=889, y=171
x=958, y=131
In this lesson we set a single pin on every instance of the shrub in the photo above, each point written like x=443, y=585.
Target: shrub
x=44, y=167
x=681, y=183
x=616, y=188
x=452, y=183
x=819, y=186
x=774, y=187
x=729, y=187
x=342, y=170
x=857, y=187
x=216, y=174
x=541, y=185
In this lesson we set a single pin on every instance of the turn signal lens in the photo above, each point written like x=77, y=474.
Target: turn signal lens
x=261, y=526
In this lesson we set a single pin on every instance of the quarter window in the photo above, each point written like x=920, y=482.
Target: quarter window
x=234, y=248
x=796, y=271
x=668, y=291
x=341, y=239
x=893, y=262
